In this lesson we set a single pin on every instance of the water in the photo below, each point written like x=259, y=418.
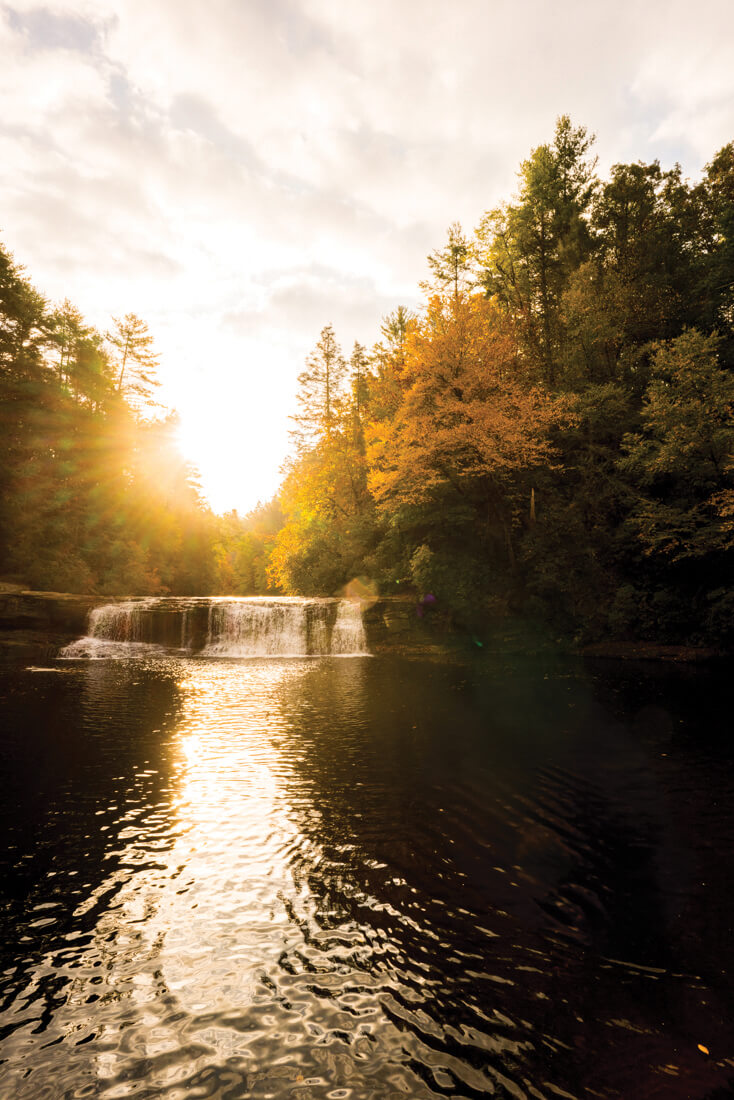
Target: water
x=286, y=626
x=357, y=878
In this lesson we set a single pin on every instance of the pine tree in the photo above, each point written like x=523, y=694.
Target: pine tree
x=359, y=367
x=451, y=266
x=320, y=391
x=530, y=248
x=136, y=359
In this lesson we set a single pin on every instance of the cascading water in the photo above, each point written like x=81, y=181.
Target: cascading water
x=347, y=635
x=218, y=627
x=117, y=630
x=246, y=629
x=122, y=622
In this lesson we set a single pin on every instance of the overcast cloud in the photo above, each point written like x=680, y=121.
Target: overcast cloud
x=240, y=173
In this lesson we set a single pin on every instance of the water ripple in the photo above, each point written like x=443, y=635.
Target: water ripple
x=346, y=879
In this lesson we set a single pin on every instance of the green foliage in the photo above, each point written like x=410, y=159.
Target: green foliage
x=683, y=457
x=528, y=250
x=243, y=549
x=94, y=497
x=454, y=578
x=135, y=359
x=553, y=434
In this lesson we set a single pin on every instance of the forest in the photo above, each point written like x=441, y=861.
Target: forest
x=549, y=436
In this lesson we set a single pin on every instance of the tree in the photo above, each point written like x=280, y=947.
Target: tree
x=83, y=365
x=68, y=331
x=24, y=323
x=717, y=197
x=328, y=515
x=324, y=498
x=528, y=249
x=451, y=265
x=320, y=386
x=359, y=369
x=387, y=381
x=683, y=458
x=467, y=433
x=136, y=360
x=646, y=228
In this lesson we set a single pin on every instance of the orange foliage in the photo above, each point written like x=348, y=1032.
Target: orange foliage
x=467, y=413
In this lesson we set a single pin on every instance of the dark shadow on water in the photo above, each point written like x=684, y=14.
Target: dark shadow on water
x=85, y=747
x=509, y=850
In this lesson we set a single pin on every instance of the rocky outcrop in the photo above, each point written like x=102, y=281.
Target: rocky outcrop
x=45, y=613
x=393, y=624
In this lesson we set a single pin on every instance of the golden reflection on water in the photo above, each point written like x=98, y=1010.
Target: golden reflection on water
x=199, y=925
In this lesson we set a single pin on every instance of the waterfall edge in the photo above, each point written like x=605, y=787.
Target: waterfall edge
x=223, y=627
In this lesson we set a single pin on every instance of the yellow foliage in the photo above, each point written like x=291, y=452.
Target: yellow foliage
x=467, y=412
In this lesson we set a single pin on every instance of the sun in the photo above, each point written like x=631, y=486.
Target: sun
x=236, y=460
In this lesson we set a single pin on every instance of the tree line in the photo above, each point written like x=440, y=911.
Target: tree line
x=94, y=493
x=550, y=435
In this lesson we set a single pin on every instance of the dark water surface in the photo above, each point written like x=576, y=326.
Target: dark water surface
x=365, y=878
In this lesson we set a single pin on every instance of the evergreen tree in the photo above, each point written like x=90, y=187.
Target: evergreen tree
x=451, y=266
x=359, y=382
x=136, y=360
x=529, y=249
x=320, y=390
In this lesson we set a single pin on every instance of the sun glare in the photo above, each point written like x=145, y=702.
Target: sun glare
x=237, y=465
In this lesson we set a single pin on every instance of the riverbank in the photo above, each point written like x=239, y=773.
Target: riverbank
x=41, y=623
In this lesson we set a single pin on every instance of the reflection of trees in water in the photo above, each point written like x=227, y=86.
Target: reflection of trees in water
x=480, y=849
x=87, y=758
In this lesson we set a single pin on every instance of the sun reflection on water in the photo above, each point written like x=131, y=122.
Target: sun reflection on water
x=199, y=919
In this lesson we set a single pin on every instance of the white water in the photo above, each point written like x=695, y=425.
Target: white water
x=116, y=630
x=347, y=636
x=256, y=627
x=246, y=629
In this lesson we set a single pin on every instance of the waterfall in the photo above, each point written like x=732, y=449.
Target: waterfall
x=116, y=630
x=220, y=627
x=120, y=622
x=249, y=629
x=348, y=637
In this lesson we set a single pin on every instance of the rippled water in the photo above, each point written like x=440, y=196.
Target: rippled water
x=365, y=878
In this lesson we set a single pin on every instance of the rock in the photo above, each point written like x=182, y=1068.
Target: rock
x=49, y=613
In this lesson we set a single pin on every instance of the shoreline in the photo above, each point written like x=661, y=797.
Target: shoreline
x=43, y=622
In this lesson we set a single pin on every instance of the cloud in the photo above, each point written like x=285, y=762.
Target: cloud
x=44, y=28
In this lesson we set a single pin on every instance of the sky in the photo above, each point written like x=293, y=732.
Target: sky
x=241, y=173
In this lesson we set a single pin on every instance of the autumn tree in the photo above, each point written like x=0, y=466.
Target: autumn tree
x=328, y=524
x=458, y=454
x=324, y=497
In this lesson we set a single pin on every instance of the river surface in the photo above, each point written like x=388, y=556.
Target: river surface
x=365, y=877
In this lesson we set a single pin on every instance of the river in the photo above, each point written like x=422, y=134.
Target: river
x=358, y=877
